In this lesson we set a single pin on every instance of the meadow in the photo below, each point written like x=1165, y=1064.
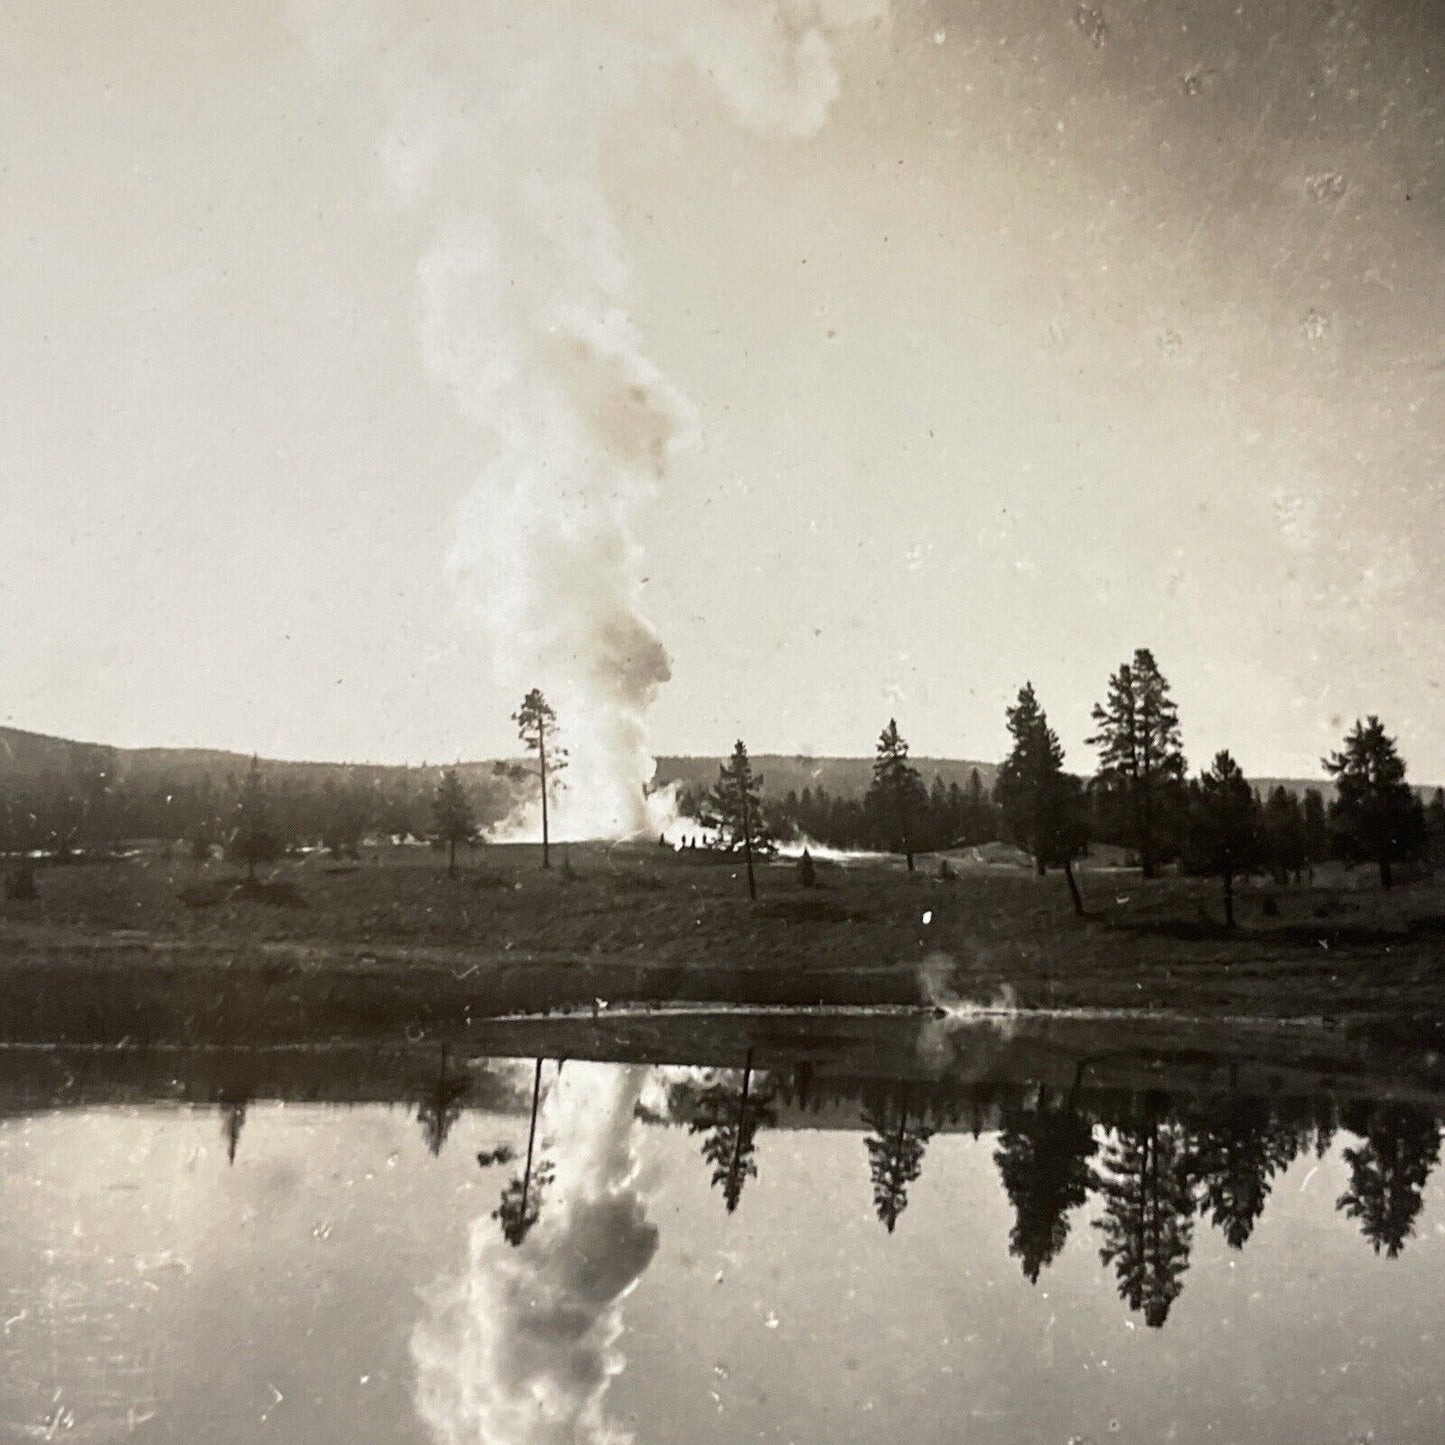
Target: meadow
x=160, y=947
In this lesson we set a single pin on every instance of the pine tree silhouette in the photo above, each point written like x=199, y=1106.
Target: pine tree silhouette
x=1043, y=1160
x=1238, y=1148
x=728, y=1116
x=1389, y=1171
x=521, y=1204
x=441, y=1107
x=895, y=1153
x=1148, y=1220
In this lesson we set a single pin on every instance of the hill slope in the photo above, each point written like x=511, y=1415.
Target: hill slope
x=30, y=755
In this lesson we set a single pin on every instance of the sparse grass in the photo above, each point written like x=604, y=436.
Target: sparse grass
x=392, y=942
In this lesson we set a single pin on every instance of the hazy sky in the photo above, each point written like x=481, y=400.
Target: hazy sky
x=1051, y=331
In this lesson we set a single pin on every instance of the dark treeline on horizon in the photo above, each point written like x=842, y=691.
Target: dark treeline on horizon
x=55, y=811
x=1140, y=799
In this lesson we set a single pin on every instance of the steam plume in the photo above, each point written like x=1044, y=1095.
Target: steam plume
x=497, y=119
x=524, y=1346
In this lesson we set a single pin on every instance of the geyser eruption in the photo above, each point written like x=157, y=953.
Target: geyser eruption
x=524, y=1346
x=498, y=119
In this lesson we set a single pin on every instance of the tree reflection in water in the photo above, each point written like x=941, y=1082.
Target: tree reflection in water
x=728, y=1115
x=1044, y=1162
x=1237, y=1147
x=441, y=1106
x=1150, y=1163
x=1148, y=1219
x=521, y=1203
x=895, y=1147
x=1388, y=1171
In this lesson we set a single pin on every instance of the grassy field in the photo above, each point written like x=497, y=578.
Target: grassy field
x=167, y=948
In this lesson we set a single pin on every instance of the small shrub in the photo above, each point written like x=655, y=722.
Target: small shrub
x=279, y=893
x=202, y=895
x=946, y=870
x=639, y=882
x=491, y=880
x=20, y=883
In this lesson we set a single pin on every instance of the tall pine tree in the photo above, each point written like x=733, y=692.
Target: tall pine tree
x=254, y=840
x=1042, y=806
x=896, y=799
x=1224, y=830
x=734, y=809
x=1376, y=816
x=1141, y=761
x=452, y=818
x=537, y=727
x=728, y=1116
x=1238, y=1147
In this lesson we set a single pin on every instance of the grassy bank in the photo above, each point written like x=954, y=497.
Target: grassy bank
x=172, y=949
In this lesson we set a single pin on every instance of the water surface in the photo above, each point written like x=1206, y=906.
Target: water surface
x=873, y=1233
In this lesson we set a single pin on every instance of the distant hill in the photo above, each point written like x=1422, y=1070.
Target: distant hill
x=850, y=777
x=841, y=777
x=26, y=755
x=29, y=755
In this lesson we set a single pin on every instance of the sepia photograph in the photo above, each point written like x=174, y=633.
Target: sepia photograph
x=722, y=721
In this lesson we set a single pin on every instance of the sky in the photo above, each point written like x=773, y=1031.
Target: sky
x=727, y=368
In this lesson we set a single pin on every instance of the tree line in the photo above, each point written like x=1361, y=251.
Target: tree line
x=262, y=813
x=1140, y=798
x=1152, y=1166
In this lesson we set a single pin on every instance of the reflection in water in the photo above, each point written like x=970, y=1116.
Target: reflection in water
x=1044, y=1160
x=1152, y=1163
x=294, y=1273
x=521, y=1203
x=728, y=1114
x=442, y=1106
x=1148, y=1219
x=1388, y=1172
x=233, y=1120
x=895, y=1147
x=523, y=1347
x=1237, y=1148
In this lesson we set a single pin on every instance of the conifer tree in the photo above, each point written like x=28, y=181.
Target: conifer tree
x=520, y=1206
x=537, y=727
x=1042, y=807
x=1400, y=1146
x=1375, y=816
x=1141, y=762
x=728, y=1117
x=896, y=799
x=1435, y=828
x=254, y=840
x=734, y=810
x=452, y=816
x=1224, y=826
x=1238, y=1148
x=1282, y=827
x=1033, y=759
x=1316, y=830
x=441, y=1106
